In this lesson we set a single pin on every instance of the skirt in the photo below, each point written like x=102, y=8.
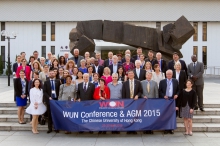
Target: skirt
x=185, y=112
x=20, y=101
x=39, y=111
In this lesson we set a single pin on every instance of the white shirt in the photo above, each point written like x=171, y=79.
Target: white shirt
x=86, y=85
x=138, y=72
x=177, y=75
x=115, y=66
x=96, y=69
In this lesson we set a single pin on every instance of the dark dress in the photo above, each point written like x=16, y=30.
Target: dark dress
x=187, y=102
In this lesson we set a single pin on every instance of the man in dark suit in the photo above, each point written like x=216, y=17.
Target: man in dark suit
x=114, y=67
x=150, y=58
x=195, y=72
x=139, y=52
x=97, y=68
x=132, y=59
x=176, y=59
x=85, y=91
x=35, y=54
x=108, y=61
x=132, y=89
x=169, y=89
x=76, y=57
x=162, y=63
x=51, y=92
x=139, y=74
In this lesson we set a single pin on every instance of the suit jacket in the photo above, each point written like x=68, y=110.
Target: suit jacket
x=182, y=62
x=182, y=79
x=101, y=62
x=142, y=75
x=48, y=92
x=163, y=65
x=137, y=89
x=153, y=89
x=100, y=70
x=88, y=95
x=132, y=60
x=79, y=59
x=163, y=87
x=135, y=57
x=15, y=66
x=111, y=67
x=198, y=72
x=18, y=87
x=151, y=61
x=106, y=63
x=27, y=72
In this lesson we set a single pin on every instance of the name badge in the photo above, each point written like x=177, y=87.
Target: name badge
x=53, y=92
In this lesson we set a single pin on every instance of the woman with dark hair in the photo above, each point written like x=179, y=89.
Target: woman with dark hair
x=90, y=70
x=36, y=106
x=102, y=92
x=79, y=78
x=186, y=101
x=61, y=70
x=21, y=93
x=36, y=68
x=31, y=61
x=74, y=75
x=121, y=75
x=157, y=76
x=55, y=64
x=95, y=79
x=26, y=69
x=62, y=62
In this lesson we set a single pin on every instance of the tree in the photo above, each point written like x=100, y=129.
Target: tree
x=8, y=70
x=1, y=65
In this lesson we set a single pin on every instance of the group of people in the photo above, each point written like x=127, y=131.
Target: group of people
x=81, y=78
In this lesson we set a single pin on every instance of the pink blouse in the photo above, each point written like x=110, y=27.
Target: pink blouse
x=107, y=79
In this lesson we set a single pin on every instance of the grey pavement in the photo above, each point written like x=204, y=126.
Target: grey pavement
x=26, y=138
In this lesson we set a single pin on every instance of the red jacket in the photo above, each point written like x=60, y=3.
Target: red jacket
x=96, y=94
x=27, y=72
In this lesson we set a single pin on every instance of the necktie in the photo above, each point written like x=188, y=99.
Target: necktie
x=194, y=66
x=131, y=89
x=148, y=87
x=84, y=88
x=159, y=64
x=53, y=89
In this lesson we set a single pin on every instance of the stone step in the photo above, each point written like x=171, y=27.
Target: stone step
x=12, y=118
x=13, y=104
x=208, y=111
x=197, y=127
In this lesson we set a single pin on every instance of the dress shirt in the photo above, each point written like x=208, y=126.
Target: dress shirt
x=159, y=61
x=115, y=90
x=138, y=72
x=96, y=69
x=52, y=80
x=115, y=66
x=86, y=85
x=170, y=87
x=177, y=75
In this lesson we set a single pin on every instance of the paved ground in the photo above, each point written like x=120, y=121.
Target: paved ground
x=23, y=138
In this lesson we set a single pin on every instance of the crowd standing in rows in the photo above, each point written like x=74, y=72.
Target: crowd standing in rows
x=81, y=78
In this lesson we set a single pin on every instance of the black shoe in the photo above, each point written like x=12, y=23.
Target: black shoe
x=57, y=131
x=100, y=132
x=196, y=108
x=166, y=132
x=171, y=132
x=81, y=132
x=202, y=109
x=49, y=131
x=91, y=132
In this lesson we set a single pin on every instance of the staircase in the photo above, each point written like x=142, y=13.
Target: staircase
x=208, y=121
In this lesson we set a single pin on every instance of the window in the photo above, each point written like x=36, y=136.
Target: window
x=52, y=31
x=53, y=50
x=43, y=51
x=204, y=55
x=43, y=31
x=195, y=36
x=195, y=51
x=2, y=28
x=3, y=56
x=158, y=25
x=204, y=31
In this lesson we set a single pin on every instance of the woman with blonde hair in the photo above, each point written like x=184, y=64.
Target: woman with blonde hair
x=44, y=75
x=107, y=75
x=148, y=67
x=69, y=66
x=36, y=68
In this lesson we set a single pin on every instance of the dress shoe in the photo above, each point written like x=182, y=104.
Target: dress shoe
x=166, y=132
x=57, y=131
x=196, y=108
x=171, y=132
x=202, y=109
x=49, y=131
